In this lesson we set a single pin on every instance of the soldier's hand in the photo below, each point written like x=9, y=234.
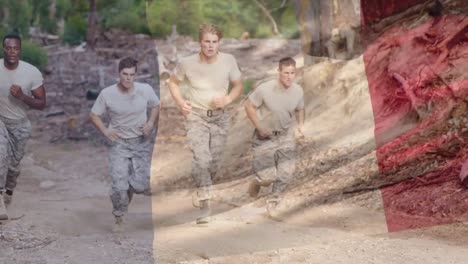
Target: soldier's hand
x=263, y=134
x=186, y=108
x=300, y=133
x=111, y=135
x=16, y=91
x=221, y=101
x=147, y=128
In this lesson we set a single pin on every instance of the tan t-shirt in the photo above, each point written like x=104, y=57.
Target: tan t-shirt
x=203, y=82
x=28, y=78
x=127, y=112
x=277, y=105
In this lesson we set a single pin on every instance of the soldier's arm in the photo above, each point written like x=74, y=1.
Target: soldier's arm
x=251, y=111
x=300, y=114
x=97, y=122
x=37, y=101
x=236, y=90
x=174, y=88
x=151, y=120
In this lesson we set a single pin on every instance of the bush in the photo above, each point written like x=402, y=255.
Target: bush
x=288, y=24
x=129, y=15
x=3, y=30
x=248, y=85
x=161, y=15
x=75, y=30
x=33, y=54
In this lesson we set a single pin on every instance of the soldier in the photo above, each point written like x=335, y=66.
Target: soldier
x=274, y=108
x=206, y=76
x=130, y=131
x=21, y=88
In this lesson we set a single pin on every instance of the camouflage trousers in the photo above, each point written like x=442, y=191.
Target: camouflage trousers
x=206, y=138
x=13, y=137
x=129, y=168
x=275, y=160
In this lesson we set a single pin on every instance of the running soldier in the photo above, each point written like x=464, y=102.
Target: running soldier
x=274, y=109
x=130, y=131
x=206, y=77
x=21, y=88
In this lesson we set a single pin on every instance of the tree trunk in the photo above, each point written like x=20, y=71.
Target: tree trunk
x=327, y=19
x=52, y=9
x=308, y=16
x=92, y=23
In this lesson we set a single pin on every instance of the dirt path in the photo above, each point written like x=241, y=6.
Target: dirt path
x=63, y=196
x=337, y=233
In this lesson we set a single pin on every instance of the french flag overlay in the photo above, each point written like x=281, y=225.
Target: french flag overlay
x=418, y=81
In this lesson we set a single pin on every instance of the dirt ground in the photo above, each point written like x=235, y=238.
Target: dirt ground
x=63, y=195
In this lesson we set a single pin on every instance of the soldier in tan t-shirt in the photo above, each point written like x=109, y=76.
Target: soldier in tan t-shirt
x=206, y=77
x=131, y=133
x=21, y=88
x=274, y=108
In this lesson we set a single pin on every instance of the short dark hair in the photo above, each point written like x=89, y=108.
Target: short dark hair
x=286, y=61
x=127, y=62
x=11, y=36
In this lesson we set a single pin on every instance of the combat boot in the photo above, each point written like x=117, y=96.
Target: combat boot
x=205, y=212
x=203, y=193
x=7, y=198
x=254, y=188
x=119, y=225
x=3, y=211
x=272, y=208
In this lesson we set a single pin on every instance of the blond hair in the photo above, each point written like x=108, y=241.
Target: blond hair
x=209, y=28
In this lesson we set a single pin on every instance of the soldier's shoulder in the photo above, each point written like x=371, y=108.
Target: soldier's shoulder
x=268, y=84
x=298, y=87
x=141, y=85
x=226, y=56
x=109, y=89
x=298, y=90
x=28, y=66
x=189, y=59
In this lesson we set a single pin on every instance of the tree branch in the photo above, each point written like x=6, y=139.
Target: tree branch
x=269, y=16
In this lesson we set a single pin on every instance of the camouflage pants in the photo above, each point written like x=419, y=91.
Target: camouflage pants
x=275, y=160
x=206, y=137
x=129, y=168
x=13, y=137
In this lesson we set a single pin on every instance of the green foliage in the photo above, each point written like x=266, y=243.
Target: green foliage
x=42, y=15
x=289, y=26
x=125, y=14
x=161, y=15
x=233, y=17
x=63, y=7
x=3, y=30
x=248, y=85
x=154, y=17
x=75, y=30
x=19, y=13
x=32, y=53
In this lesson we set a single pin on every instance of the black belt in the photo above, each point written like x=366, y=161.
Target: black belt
x=273, y=133
x=209, y=113
x=277, y=133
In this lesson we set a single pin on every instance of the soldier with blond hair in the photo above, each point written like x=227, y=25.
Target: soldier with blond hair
x=206, y=77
